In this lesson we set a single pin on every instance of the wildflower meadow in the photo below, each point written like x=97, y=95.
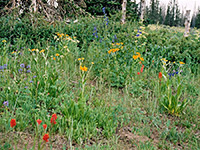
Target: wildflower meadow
x=98, y=84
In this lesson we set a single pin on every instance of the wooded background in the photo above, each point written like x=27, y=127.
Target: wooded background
x=61, y=9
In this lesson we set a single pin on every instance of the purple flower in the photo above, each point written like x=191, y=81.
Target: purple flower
x=137, y=35
x=115, y=37
x=28, y=71
x=5, y=66
x=104, y=11
x=34, y=76
x=6, y=103
x=31, y=81
x=1, y=68
x=20, y=70
x=28, y=66
x=26, y=87
x=22, y=65
x=177, y=72
x=172, y=74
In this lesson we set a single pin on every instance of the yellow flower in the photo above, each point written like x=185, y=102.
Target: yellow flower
x=65, y=46
x=117, y=43
x=4, y=41
x=57, y=54
x=122, y=43
x=13, y=52
x=33, y=50
x=42, y=51
x=54, y=58
x=141, y=58
x=109, y=51
x=79, y=59
x=138, y=54
x=92, y=63
x=181, y=62
x=135, y=57
x=82, y=58
x=83, y=68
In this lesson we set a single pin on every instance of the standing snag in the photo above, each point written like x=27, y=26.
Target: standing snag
x=124, y=11
x=143, y=5
x=187, y=23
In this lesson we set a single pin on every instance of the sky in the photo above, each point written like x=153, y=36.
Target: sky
x=183, y=4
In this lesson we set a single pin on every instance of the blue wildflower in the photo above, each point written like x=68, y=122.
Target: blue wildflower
x=177, y=72
x=137, y=35
x=5, y=66
x=104, y=11
x=34, y=76
x=115, y=37
x=28, y=66
x=26, y=87
x=6, y=103
x=31, y=81
x=22, y=65
x=172, y=74
x=1, y=68
x=20, y=70
x=28, y=71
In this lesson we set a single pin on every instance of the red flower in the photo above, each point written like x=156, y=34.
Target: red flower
x=138, y=73
x=160, y=75
x=53, y=120
x=54, y=116
x=46, y=137
x=13, y=123
x=39, y=121
x=141, y=70
x=44, y=126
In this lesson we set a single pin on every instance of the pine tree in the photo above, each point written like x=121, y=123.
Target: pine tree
x=197, y=24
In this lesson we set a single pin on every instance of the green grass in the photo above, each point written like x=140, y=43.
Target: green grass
x=109, y=104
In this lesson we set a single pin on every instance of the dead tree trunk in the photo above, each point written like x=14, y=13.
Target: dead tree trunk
x=187, y=23
x=143, y=5
x=33, y=6
x=13, y=4
x=124, y=11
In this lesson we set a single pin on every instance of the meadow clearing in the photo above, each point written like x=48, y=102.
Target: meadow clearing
x=98, y=84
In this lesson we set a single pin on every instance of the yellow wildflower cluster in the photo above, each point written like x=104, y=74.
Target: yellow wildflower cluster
x=54, y=58
x=66, y=37
x=83, y=68
x=15, y=52
x=36, y=50
x=4, y=41
x=138, y=56
x=113, y=50
x=164, y=61
x=118, y=44
x=79, y=59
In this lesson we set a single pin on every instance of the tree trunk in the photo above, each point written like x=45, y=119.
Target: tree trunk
x=13, y=4
x=143, y=5
x=124, y=11
x=33, y=6
x=187, y=23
